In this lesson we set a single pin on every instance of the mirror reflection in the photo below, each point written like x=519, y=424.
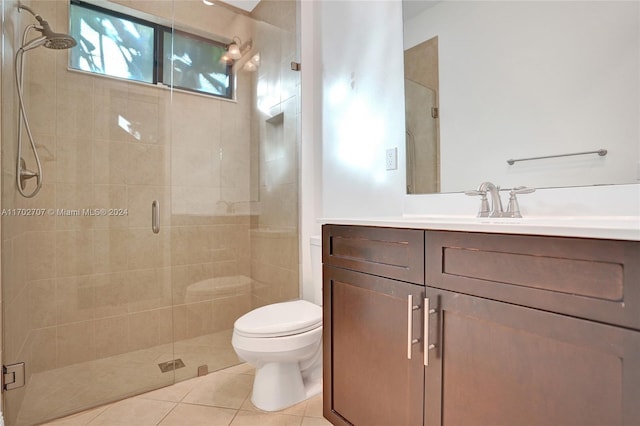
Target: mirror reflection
x=421, y=117
x=521, y=80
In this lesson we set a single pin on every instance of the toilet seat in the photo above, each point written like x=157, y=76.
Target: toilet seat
x=280, y=319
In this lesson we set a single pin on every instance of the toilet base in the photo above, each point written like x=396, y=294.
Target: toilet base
x=280, y=385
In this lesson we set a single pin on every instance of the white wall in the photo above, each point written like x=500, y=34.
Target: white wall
x=362, y=106
x=525, y=79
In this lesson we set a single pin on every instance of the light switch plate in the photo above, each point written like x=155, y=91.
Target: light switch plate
x=392, y=159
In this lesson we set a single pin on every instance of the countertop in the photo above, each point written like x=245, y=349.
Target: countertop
x=602, y=227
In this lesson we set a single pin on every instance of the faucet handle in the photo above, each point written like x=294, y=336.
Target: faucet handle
x=513, y=209
x=521, y=190
x=484, y=203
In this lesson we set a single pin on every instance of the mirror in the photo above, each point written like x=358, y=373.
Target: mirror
x=519, y=81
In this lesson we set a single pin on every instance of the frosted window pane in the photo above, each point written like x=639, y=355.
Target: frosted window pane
x=195, y=64
x=110, y=45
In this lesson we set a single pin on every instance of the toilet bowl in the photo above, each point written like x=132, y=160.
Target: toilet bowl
x=283, y=341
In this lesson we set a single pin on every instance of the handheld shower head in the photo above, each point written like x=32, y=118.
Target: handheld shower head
x=52, y=40
x=55, y=40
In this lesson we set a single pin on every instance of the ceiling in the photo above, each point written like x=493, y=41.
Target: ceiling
x=411, y=8
x=247, y=5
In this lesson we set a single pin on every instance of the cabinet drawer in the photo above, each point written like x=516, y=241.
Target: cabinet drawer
x=386, y=252
x=588, y=278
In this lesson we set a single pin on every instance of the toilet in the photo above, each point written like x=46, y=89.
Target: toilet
x=283, y=341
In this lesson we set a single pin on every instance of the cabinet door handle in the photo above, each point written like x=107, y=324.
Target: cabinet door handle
x=155, y=216
x=410, y=340
x=427, y=346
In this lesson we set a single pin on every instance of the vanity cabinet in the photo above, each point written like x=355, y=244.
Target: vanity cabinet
x=532, y=330
x=370, y=275
x=526, y=330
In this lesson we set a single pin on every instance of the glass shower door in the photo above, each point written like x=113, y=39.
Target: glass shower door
x=86, y=282
x=421, y=137
x=98, y=306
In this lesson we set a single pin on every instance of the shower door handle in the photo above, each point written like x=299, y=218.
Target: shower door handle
x=155, y=216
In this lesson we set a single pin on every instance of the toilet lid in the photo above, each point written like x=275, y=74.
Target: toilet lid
x=280, y=319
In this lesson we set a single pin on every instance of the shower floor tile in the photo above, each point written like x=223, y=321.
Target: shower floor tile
x=58, y=392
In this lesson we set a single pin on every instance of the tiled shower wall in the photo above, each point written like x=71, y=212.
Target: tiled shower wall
x=83, y=288
x=276, y=132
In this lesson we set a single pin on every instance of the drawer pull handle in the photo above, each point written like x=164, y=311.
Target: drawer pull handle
x=427, y=346
x=410, y=340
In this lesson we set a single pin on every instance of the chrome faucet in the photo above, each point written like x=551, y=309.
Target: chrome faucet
x=496, y=201
x=496, y=210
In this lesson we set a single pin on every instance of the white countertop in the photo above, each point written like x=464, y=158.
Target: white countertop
x=602, y=227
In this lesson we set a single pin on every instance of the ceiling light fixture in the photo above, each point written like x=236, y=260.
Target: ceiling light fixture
x=208, y=3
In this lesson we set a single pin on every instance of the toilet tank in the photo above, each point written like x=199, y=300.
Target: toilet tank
x=316, y=268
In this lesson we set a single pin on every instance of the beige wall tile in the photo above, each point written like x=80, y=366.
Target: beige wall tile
x=74, y=109
x=147, y=164
x=199, y=319
x=143, y=330
x=43, y=349
x=40, y=257
x=74, y=299
x=179, y=322
x=74, y=252
x=74, y=157
x=73, y=196
x=110, y=294
x=17, y=326
x=184, y=276
x=111, y=336
x=225, y=311
x=110, y=250
x=165, y=325
x=44, y=200
x=146, y=249
x=189, y=245
x=109, y=162
x=147, y=289
x=75, y=343
x=42, y=305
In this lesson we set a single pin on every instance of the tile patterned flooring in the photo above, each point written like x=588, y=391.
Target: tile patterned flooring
x=220, y=398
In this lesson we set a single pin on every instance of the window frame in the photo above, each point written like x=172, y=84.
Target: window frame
x=159, y=31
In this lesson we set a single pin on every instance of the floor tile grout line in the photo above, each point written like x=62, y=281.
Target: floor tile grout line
x=175, y=404
x=234, y=417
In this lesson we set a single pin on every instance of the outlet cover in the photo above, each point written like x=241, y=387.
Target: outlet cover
x=392, y=159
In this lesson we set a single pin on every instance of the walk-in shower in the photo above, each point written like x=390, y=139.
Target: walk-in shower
x=96, y=306
x=50, y=40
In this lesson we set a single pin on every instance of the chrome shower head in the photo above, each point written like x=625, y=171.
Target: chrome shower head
x=55, y=40
x=52, y=40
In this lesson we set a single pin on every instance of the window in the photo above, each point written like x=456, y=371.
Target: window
x=197, y=64
x=124, y=46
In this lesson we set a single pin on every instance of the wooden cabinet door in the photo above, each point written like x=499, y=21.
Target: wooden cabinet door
x=368, y=378
x=501, y=364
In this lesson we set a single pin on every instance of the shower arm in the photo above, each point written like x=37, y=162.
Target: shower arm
x=28, y=9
